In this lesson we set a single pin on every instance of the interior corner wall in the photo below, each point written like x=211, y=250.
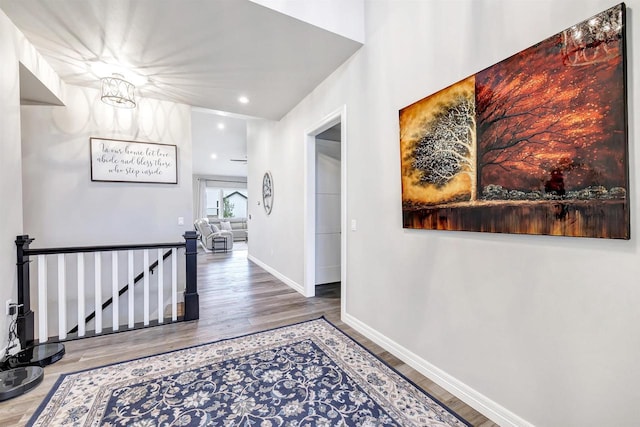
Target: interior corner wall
x=14, y=49
x=539, y=329
x=63, y=207
x=10, y=171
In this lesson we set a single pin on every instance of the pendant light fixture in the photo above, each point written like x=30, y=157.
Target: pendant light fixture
x=118, y=92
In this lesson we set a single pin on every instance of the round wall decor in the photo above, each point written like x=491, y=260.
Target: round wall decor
x=267, y=192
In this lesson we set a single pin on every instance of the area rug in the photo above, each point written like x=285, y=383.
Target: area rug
x=307, y=374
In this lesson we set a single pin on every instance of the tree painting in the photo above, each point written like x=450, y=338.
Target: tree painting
x=534, y=144
x=438, y=142
x=446, y=149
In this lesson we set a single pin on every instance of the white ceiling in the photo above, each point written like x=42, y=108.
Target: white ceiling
x=228, y=143
x=204, y=53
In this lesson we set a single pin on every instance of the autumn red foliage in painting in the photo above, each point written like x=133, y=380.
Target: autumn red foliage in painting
x=537, y=113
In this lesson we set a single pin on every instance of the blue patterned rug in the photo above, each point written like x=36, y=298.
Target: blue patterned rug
x=307, y=374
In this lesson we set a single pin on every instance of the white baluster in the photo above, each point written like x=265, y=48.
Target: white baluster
x=43, y=332
x=62, y=302
x=115, y=306
x=174, y=284
x=131, y=289
x=160, y=275
x=81, y=311
x=97, y=290
x=145, y=276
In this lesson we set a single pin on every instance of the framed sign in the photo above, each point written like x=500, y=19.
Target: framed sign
x=114, y=160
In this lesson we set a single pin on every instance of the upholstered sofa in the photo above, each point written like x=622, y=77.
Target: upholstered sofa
x=237, y=226
x=208, y=232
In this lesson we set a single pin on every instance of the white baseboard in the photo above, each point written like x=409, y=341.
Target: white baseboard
x=468, y=395
x=291, y=283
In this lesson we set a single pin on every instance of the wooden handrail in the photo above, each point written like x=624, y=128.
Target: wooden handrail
x=107, y=248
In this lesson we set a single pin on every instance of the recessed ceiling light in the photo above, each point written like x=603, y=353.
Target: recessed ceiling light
x=220, y=126
x=214, y=156
x=243, y=100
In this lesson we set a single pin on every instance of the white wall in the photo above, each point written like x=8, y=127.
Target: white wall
x=343, y=17
x=276, y=240
x=14, y=47
x=530, y=329
x=62, y=206
x=10, y=175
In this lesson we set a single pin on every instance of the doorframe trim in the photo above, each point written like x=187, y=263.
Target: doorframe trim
x=331, y=119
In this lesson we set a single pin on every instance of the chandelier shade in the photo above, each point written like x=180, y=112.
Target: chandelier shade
x=118, y=92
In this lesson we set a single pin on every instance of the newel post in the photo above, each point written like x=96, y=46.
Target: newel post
x=25, y=320
x=191, y=298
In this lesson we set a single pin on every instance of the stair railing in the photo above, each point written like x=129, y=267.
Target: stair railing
x=137, y=315
x=124, y=290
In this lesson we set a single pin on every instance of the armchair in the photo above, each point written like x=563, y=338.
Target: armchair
x=208, y=232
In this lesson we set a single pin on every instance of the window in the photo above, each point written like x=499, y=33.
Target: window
x=226, y=202
x=213, y=202
x=234, y=203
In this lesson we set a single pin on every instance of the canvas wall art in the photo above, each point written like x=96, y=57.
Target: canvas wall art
x=535, y=144
x=114, y=160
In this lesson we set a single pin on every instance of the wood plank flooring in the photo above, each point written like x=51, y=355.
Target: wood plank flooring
x=236, y=297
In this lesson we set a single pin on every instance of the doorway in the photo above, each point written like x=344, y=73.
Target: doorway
x=328, y=209
x=325, y=207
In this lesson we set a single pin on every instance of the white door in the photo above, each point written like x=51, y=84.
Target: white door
x=327, y=211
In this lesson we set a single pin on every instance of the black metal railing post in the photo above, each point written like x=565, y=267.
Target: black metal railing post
x=191, y=298
x=25, y=320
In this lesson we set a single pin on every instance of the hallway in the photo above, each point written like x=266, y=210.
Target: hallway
x=236, y=298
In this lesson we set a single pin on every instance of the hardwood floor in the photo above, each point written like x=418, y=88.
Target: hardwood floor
x=236, y=297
